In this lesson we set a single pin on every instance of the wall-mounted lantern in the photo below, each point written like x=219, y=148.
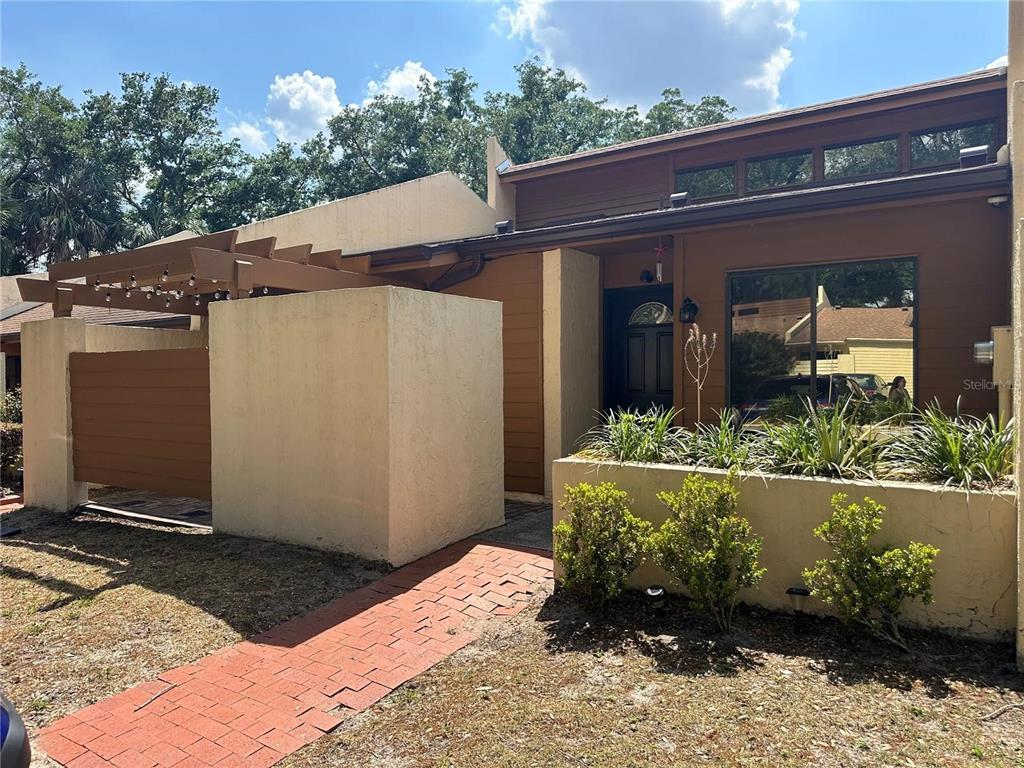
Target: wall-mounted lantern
x=688, y=312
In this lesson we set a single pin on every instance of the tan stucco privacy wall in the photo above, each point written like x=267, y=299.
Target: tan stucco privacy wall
x=571, y=282
x=46, y=384
x=363, y=420
x=1015, y=132
x=975, y=572
x=428, y=210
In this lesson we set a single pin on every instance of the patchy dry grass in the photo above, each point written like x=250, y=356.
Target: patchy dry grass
x=552, y=689
x=91, y=606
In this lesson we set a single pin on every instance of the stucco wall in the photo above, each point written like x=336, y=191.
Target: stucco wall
x=571, y=339
x=46, y=345
x=975, y=579
x=428, y=210
x=364, y=420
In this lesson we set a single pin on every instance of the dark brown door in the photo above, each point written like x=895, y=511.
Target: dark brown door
x=638, y=347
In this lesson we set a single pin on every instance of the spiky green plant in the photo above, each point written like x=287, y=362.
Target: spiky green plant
x=722, y=444
x=627, y=435
x=954, y=450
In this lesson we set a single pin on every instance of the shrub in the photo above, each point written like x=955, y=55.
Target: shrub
x=10, y=407
x=10, y=448
x=707, y=546
x=625, y=435
x=826, y=441
x=600, y=542
x=721, y=444
x=867, y=584
x=961, y=450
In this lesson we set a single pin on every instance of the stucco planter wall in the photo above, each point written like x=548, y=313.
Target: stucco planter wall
x=976, y=570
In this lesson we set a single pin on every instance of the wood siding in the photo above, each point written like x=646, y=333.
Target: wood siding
x=516, y=282
x=644, y=183
x=962, y=249
x=142, y=420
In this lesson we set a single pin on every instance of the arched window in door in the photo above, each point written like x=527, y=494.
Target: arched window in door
x=650, y=313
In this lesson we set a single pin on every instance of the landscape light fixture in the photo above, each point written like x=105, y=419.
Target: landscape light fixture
x=688, y=312
x=655, y=596
x=679, y=199
x=503, y=227
x=798, y=598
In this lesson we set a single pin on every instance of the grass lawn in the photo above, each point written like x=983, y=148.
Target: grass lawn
x=92, y=606
x=551, y=689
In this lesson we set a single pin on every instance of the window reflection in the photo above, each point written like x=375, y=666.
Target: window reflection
x=822, y=332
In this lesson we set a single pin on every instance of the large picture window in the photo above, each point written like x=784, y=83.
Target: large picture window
x=821, y=332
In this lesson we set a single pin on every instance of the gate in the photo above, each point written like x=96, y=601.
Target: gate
x=141, y=420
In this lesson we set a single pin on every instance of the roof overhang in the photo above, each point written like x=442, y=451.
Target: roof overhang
x=994, y=179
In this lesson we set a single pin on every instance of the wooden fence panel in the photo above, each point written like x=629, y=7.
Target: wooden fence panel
x=142, y=419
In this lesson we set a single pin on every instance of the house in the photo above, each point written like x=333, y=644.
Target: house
x=893, y=205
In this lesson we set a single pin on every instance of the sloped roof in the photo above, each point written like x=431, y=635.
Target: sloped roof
x=11, y=326
x=838, y=324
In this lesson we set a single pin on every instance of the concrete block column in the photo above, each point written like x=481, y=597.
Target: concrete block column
x=46, y=387
x=572, y=351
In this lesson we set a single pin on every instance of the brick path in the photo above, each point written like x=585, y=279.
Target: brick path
x=255, y=702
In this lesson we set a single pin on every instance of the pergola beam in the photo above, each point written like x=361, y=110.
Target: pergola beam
x=147, y=256
x=264, y=247
x=297, y=253
x=327, y=259
x=65, y=295
x=217, y=265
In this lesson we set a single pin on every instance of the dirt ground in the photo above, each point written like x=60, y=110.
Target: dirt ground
x=91, y=606
x=554, y=688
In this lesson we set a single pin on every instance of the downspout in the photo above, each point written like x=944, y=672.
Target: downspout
x=451, y=277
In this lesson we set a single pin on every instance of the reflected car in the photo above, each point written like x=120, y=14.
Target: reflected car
x=15, y=751
x=828, y=390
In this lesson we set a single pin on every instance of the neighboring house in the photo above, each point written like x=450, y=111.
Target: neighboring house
x=596, y=256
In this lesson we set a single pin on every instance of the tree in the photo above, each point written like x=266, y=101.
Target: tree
x=272, y=184
x=160, y=141
x=57, y=201
x=755, y=356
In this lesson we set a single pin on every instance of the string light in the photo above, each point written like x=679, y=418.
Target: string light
x=227, y=295
x=197, y=301
x=216, y=295
x=265, y=290
x=96, y=285
x=163, y=277
x=108, y=297
x=128, y=293
x=168, y=302
x=192, y=280
x=149, y=295
x=134, y=281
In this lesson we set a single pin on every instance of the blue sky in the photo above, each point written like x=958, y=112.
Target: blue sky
x=283, y=68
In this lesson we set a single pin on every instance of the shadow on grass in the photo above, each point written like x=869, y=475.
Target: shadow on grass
x=249, y=584
x=682, y=641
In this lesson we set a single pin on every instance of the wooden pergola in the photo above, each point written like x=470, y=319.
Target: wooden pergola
x=184, y=276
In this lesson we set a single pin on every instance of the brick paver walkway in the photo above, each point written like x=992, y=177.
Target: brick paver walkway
x=255, y=702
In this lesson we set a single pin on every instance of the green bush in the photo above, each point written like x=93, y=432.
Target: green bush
x=625, y=435
x=867, y=584
x=707, y=546
x=600, y=542
x=10, y=449
x=954, y=450
x=10, y=407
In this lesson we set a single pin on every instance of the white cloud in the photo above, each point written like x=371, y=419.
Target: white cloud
x=739, y=49
x=253, y=138
x=299, y=105
x=1002, y=61
x=401, y=81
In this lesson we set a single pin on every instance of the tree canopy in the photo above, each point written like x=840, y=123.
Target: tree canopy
x=117, y=170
